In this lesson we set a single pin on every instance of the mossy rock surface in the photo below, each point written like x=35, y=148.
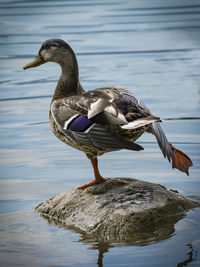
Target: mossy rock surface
x=117, y=208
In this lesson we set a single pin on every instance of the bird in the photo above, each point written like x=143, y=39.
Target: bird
x=100, y=120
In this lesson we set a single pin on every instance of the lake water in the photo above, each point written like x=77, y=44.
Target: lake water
x=151, y=47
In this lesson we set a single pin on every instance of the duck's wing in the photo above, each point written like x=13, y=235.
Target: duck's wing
x=113, y=105
x=89, y=117
x=71, y=117
x=108, y=106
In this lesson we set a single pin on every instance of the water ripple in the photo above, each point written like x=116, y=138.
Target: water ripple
x=158, y=8
x=154, y=14
x=25, y=98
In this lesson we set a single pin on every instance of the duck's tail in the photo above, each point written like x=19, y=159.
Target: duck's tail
x=179, y=159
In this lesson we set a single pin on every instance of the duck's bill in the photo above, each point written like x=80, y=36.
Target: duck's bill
x=35, y=63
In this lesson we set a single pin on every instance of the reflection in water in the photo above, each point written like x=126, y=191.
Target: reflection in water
x=157, y=231
x=192, y=255
x=102, y=248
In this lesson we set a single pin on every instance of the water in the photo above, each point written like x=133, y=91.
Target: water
x=151, y=47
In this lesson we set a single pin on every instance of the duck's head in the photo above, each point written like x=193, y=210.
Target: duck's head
x=53, y=50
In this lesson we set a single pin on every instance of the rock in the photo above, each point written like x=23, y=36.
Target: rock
x=116, y=209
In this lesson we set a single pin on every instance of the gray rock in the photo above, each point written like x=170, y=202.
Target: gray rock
x=116, y=209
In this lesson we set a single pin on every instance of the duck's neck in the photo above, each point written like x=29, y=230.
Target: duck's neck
x=68, y=83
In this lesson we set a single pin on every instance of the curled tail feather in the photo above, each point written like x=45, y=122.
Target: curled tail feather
x=180, y=160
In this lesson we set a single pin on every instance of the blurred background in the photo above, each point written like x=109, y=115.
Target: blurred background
x=152, y=47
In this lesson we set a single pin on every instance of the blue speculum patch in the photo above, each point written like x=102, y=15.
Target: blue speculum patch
x=79, y=124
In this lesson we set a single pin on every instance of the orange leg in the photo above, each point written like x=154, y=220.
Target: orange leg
x=98, y=178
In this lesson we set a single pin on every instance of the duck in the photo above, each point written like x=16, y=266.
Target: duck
x=100, y=120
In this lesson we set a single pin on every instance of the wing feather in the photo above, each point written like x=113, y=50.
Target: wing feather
x=104, y=107
x=101, y=136
x=107, y=106
x=96, y=135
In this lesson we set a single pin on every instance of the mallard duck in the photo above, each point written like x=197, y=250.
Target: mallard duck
x=101, y=120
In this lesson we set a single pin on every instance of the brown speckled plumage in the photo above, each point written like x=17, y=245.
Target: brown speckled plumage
x=102, y=120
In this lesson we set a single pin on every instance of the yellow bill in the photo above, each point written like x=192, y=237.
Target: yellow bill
x=35, y=63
